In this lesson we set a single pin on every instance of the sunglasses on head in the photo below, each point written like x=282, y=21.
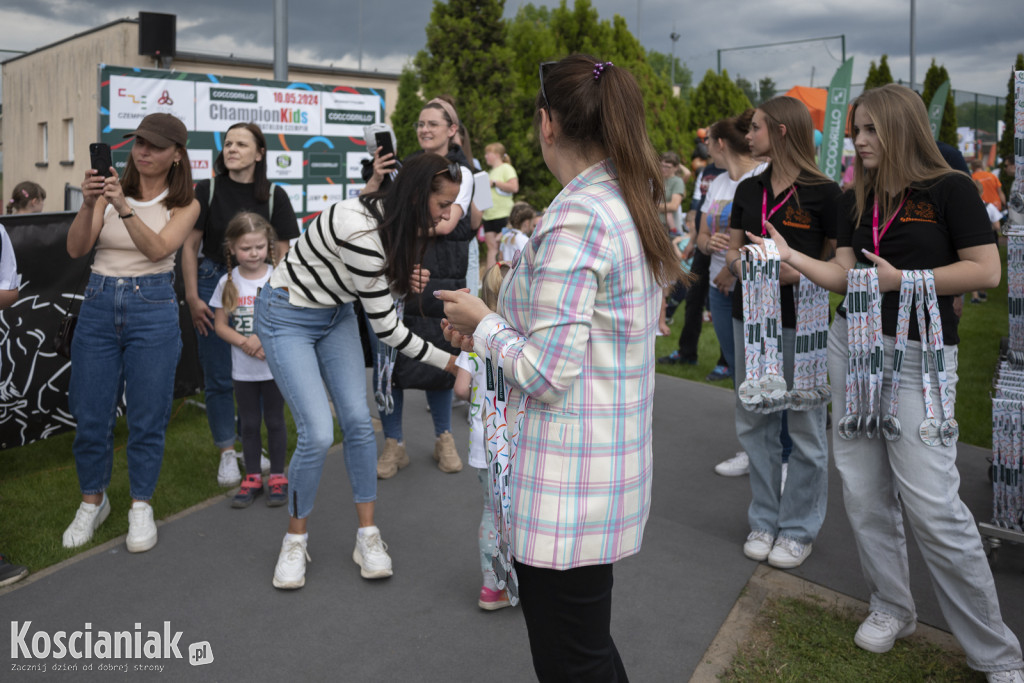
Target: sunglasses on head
x=543, y=94
x=453, y=173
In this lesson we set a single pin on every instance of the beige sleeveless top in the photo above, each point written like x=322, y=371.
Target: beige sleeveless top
x=116, y=253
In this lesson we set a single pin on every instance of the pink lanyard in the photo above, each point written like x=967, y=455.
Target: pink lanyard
x=765, y=213
x=874, y=222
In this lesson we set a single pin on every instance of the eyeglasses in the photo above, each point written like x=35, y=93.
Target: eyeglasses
x=432, y=125
x=453, y=172
x=543, y=94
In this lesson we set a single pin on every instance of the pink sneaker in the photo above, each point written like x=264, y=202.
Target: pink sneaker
x=491, y=600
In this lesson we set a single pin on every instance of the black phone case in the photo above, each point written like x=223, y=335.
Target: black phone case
x=99, y=153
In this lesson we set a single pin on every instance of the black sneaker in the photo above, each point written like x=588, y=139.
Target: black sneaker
x=251, y=487
x=675, y=359
x=277, y=490
x=11, y=573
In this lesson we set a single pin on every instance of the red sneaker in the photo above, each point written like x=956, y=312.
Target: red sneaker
x=491, y=600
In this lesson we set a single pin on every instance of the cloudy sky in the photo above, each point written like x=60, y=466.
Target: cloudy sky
x=976, y=41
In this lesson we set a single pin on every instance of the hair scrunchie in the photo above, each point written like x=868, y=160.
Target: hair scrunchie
x=599, y=68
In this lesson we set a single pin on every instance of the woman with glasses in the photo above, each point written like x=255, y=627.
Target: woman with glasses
x=573, y=338
x=445, y=261
x=363, y=248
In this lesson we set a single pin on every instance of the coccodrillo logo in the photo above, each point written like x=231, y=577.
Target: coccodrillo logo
x=39, y=647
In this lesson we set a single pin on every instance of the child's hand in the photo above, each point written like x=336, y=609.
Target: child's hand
x=253, y=347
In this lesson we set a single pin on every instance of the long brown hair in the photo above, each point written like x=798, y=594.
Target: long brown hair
x=602, y=107
x=792, y=153
x=178, y=181
x=733, y=131
x=909, y=154
x=244, y=223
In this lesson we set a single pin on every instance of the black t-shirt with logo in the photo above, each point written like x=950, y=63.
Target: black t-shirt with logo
x=938, y=218
x=806, y=221
x=230, y=199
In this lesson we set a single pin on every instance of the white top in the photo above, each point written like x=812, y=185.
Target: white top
x=510, y=242
x=472, y=364
x=244, y=368
x=994, y=216
x=8, y=263
x=717, y=210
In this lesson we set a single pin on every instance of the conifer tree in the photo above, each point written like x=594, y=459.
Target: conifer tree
x=878, y=75
x=716, y=97
x=933, y=80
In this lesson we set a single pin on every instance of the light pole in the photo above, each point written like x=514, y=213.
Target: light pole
x=674, y=36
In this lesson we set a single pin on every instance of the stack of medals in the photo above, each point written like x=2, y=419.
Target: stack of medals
x=501, y=451
x=1008, y=400
x=810, y=362
x=864, y=368
x=763, y=389
x=386, y=358
x=866, y=359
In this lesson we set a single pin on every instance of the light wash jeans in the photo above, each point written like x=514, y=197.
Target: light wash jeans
x=307, y=348
x=878, y=474
x=799, y=511
x=215, y=358
x=128, y=339
x=720, y=306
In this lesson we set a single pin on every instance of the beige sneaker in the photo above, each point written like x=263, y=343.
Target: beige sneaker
x=445, y=454
x=392, y=459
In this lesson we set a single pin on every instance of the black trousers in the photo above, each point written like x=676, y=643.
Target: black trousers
x=256, y=399
x=568, y=618
x=696, y=297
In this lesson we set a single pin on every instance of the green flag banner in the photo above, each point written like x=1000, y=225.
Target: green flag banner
x=937, y=107
x=831, y=159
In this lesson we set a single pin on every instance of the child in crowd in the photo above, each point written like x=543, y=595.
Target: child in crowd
x=469, y=383
x=27, y=197
x=515, y=236
x=248, y=238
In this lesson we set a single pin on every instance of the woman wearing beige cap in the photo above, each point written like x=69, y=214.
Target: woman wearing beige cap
x=128, y=338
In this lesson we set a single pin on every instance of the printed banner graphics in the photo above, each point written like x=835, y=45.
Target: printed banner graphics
x=275, y=110
x=325, y=165
x=354, y=164
x=345, y=114
x=131, y=99
x=295, y=194
x=286, y=165
x=202, y=163
x=831, y=161
x=320, y=197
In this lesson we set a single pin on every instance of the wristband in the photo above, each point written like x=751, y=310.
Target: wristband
x=127, y=215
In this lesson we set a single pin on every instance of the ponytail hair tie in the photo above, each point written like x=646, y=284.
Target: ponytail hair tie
x=599, y=69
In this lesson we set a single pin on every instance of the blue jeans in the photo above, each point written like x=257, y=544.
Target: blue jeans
x=720, y=306
x=439, y=401
x=127, y=340
x=307, y=348
x=882, y=479
x=215, y=357
x=799, y=511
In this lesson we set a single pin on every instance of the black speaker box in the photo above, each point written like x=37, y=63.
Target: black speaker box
x=157, y=34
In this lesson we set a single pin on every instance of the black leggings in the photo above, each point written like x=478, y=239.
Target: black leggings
x=568, y=618
x=254, y=399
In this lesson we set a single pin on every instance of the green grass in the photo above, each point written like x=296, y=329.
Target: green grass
x=799, y=640
x=981, y=329
x=39, y=491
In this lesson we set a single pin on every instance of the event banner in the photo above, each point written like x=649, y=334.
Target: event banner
x=314, y=131
x=835, y=122
x=936, y=108
x=1015, y=202
x=33, y=378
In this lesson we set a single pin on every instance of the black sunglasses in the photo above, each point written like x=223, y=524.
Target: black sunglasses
x=543, y=94
x=453, y=172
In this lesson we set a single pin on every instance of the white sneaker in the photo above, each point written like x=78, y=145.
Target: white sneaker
x=265, y=465
x=788, y=553
x=290, y=572
x=785, y=473
x=141, y=528
x=878, y=633
x=86, y=521
x=228, y=473
x=735, y=466
x=1015, y=676
x=758, y=545
x=371, y=554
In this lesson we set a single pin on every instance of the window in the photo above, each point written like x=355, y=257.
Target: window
x=44, y=146
x=69, y=137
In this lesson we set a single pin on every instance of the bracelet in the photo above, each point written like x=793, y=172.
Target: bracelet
x=127, y=215
x=731, y=264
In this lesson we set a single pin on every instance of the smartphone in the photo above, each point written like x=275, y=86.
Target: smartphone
x=99, y=152
x=384, y=143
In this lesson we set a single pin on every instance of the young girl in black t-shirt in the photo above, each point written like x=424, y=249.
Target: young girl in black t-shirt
x=909, y=210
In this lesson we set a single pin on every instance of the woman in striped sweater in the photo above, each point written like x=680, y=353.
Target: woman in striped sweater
x=363, y=248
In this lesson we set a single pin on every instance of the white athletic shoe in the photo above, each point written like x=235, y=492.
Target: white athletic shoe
x=371, y=554
x=228, y=473
x=86, y=521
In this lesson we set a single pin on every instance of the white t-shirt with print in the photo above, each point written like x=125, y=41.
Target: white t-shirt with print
x=244, y=368
x=510, y=242
x=472, y=364
x=717, y=209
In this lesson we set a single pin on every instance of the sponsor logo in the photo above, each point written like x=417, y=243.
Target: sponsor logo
x=232, y=95
x=353, y=117
x=284, y=161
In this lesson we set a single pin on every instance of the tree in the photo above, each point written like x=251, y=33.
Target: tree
x=716, y=97
x=933, y=79
x=748, y=89
x=878, y=75
x=407, y=111
x=662, y=66
x=1005, y=148
x=768, y=88
x=466, y=57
